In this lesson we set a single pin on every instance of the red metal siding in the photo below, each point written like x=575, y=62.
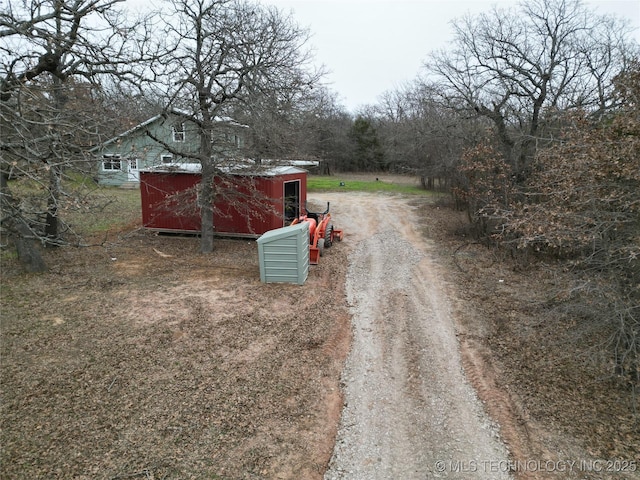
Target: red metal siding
x=252, y=206
x=247, y=207
x=169, y=201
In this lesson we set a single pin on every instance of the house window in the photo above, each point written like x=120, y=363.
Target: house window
x=233, y=139
x=166, y=158
x=178, y=132
x=111, y=162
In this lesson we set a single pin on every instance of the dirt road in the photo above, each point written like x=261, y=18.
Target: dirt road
x=409, y=411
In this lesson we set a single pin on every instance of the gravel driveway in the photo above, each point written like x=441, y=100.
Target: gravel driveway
x=409, y=411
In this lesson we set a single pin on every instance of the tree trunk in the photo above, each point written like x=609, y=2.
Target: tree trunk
x=27, y=248
x=206, y=210
x=22, y=236
x=207, y=191
x=51, y=230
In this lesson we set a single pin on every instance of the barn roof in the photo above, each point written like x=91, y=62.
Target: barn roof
x=196, y=168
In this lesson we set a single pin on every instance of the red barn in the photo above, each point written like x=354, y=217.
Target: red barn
x=249, y=204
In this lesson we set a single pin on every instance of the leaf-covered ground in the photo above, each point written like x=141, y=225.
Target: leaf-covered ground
x=147, y=358
x=142, y=358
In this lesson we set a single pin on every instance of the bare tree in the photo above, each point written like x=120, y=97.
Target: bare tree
x=323, y=131
x=310, y=125
x=278, y=118
x=583, y=203
x=514, y=66
x=57, y=56
x=420, y=136
x=221, y=55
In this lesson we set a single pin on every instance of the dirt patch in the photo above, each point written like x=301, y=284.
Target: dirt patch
x=147, y=358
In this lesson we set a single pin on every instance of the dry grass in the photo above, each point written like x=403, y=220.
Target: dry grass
x=146, y=358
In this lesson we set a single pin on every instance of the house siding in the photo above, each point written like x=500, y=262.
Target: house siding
x=139, y=145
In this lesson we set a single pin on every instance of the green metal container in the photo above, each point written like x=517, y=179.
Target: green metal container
x=283, y=254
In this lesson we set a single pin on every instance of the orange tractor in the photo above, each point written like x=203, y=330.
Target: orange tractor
x=322, y=233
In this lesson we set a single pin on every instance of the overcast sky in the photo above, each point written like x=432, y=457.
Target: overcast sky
x=371, y=47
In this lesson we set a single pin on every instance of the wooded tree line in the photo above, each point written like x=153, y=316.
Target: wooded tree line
x=530, y=118
x=555, y=172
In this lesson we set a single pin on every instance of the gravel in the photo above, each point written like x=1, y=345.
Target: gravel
x=409, y=411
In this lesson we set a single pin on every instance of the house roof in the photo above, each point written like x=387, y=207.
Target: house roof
x=175, y=111
x=127, y=133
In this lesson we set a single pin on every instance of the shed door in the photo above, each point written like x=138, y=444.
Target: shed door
x=291, y=201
